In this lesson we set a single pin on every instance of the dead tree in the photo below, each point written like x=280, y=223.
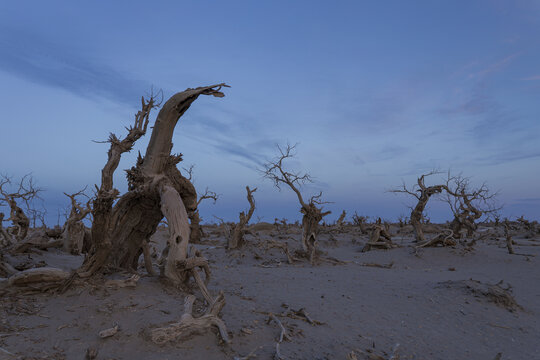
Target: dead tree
x=195, y=219
x=360, y=221
x=236, y=239
x=509, y=241
x=340, y=220
x=380, y=237
x=75, y=233
x=468, y=204
x=312, y=213
x=156, y=190
x=26, y=192
x=422, y=193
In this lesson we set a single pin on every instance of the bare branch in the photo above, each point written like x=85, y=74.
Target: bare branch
x=208, y=194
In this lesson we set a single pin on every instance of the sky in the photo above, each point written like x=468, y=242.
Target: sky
x=374, y=93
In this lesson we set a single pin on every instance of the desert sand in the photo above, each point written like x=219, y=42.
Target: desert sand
x=472, y=300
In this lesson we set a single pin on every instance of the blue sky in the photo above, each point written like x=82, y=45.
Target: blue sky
x=373, y=92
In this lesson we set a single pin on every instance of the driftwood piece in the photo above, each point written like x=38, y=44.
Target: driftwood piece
x=36, y=240
x=237, y=234
x=38, y=275
x=108, y=332
x=189, y=326
x=283, y=335
x=376, y=265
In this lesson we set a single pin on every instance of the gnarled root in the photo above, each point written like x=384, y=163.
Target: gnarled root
x=190, y=326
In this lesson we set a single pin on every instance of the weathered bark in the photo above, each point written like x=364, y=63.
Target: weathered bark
x=237, y=236
x=417, y=213
x=19, y=219
x=310, y=228
x=195, y=227
x=74, y=230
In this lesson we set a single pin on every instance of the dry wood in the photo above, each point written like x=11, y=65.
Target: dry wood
x=189, y=325
x=108, y=332
x=382, y=266
x=74, y=229
x=157, y=190
x=130, y=282
x=37, y=240
x=26, y=191
x=468, y=204
x=38, y=275
x=340, y=221
x=312, y=215
x=5, y=238
x=237, y=236
x=282, y=335
x=148, y=259
x=422, y=193
x=444, y=239
x=508, y=239
x=379, y=238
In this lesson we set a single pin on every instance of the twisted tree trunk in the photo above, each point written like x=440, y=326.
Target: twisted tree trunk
x=157, y=190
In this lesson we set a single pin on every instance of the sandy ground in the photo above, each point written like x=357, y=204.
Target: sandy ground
x=429, y=304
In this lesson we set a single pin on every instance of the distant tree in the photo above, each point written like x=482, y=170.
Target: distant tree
x=237, y=232
x=311, y=210
x=469, y=204
x=25, y=191
x=422, y=193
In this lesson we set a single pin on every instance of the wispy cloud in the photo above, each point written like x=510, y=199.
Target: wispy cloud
x=43, y=62
x=495, y=67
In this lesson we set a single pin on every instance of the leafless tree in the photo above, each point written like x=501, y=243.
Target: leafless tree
x=26, y=191
x=469, y=204
x=75, y=234
x=236, y=238
x=422, y=193
x=312, y=212
x=157, y=189
x=361, y=222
